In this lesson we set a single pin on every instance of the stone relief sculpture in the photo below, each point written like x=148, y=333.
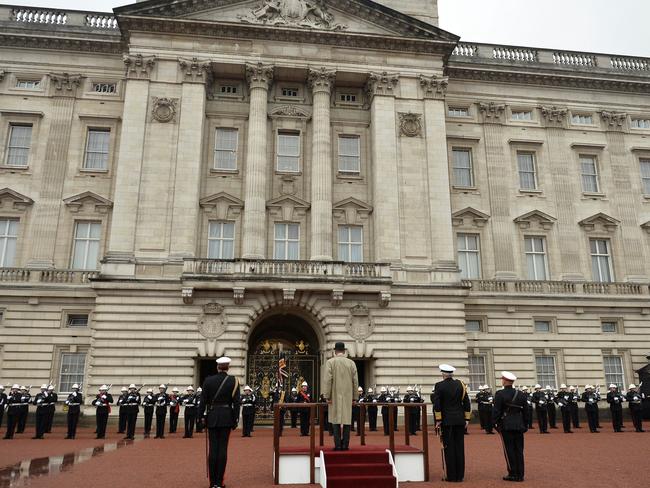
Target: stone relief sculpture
x=312, y=14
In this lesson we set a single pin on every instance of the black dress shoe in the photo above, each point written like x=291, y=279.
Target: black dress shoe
x=509, y=478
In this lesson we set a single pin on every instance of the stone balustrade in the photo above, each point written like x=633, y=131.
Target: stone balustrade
x=14, y=274
x=57, y=276
x=555, y=287
x=59, y=18
x=520, y=54
x=255, y=269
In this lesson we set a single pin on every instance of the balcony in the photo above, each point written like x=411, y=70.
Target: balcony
x=40, y=276
x=528, y=287
x=276, y=270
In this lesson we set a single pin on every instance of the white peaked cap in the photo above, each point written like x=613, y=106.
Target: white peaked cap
x=562, y=385
x=548, y=387
x=51, y=387
x=2, y=387
x=524, y=388
x=507, y=375
x=588, y=387
x=75, y=386
x=149, y=390
x=369, y=390
x=103, y=387
x=16, y=386
x=248, y=388
x=409, y=388
x=223, y=360
x=123, y=388
x=392, y=388
x=537, y=386
x=43, y=387
x=383, y=389
x=294, y=390
x=446, y=368
x=613, y=386
x=190, y=388
x=199, y=389
x=360, y=388
x=163, y=386
x=572, y=387
x=175, y=389
x=631, y=386
x=133, y=386
x=304, y=383
x=481, y=387
x=23, y=387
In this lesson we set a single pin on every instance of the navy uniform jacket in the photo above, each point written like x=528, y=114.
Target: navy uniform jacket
x=451, y=402
x=510, y=415
x=223, y=409
x=74, y=401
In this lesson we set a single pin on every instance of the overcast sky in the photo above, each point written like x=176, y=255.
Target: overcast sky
x=618, y=27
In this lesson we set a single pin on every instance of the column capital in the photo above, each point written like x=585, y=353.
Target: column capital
x=195, y=70
x=434, y=87
x=492, y=112
x=65, y=84
x=381, y=84
x=321, y=79
x=614, y=120
x=139, y=67
x=259, y=75
x=554, y=116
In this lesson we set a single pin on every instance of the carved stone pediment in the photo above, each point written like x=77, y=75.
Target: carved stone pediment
x=222, y=205
x=360, y=324
x=89, y=202
x=311, y=14
x=287, y=207
x=351, y=211
x=599, y=221
x=469, y=217
x=535, y=218
x=12, y=200
x=291, y=111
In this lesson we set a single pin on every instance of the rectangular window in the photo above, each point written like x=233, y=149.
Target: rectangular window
x=347, y=97
x=289, y=92
x=72, y=370
x=477, y=376
x=641, y=123
x=589, y=171
x=106, y=88
x=287, y=242
x=614, y=373
x=527, y=170
x=225, y=149
x=609, y=327
x=522, y=115
x=20, y=142
x=349, y=154
x=8, y=240
x=645, y=175
x=543, y=326
x=351, y=243
x=85, y=254
x=28, y=84
x=458, y=112
x=76, y=320
x=221, y=240
x=545, y=366
x=601, y=262
x=228, y=89
x=462, y=166
x=582, y=119
x=473, y=325
x=97, y=149
x=535, y=248
x=469, y=258
x=288, y=152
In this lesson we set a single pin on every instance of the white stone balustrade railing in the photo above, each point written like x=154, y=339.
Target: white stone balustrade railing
x=62, y=18
x=270, y=269
x=39, y=16
x=14, y=274
x=520, y=54
x=25, y=275
x=619, y=63
x=466, y=50
x=574, y=59
x=555, y=287
x=97, y=21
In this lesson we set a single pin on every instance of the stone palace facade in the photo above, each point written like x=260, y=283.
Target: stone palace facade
x=190, y=178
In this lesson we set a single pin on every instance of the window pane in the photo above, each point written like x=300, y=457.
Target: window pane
x=293, y=250
x=221, y=240
x=85, y=252
x=72, y=370
x=20, y=138
x=473, y=325
x=225, y=149
x=469, y=259
x=613, y=366
x=545, y=366
x=462, y=167
x=97, y=149
x=8, y=241
x=542, y=326
x=477, y=375
x=609, y=327
x=293, y=231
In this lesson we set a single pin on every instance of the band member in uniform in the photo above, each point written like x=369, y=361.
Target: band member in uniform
x=102, y=404
x=371, y=400
x=414, y=413
x=635, y=401
x=189, y=402
x=13, y=411
x=540, y=399
x=326, y=415
x=510, y=416
x=590, y=399
x=121, y=410
x=132, y=405
x=221, y=397
x=23, y=410
x=174, y=410
x=485, y=402
x=304, y=397
x=3, y=403
x=42, y=401
x=383, y=398
x=550, y=407
x=74, y=402
x=573, y=407
x=247, y=411
x=293, y=398
x=452, y=411
x=563, y=399
x=51, y=408
x=529, y=403
x=615, y=399
x=162, y=401
x=200, y=423
x=148, y=402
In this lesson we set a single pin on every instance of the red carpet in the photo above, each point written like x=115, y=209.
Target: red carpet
x=359, y=469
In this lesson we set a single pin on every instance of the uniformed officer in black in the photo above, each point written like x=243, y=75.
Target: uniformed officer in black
x=573, y=407
x=485, y=402
x=304, y=397
x=221, y=398
x=3, y=403
x=23, y=409
x=42, y=401
x=413, y=398
x=174, y=410
x=161, y=402
x=615, y=399
x=563, y=400
x=51, y=408
x=383, y=398
x=132, y=405
x=635, y=401
x=393, y=397
x=13, y=411
x=102, y=404
x=148, y=402
x=529, y=404
x=293, y=412
x=74, y=402
x=189, y=402
x=590, y=399
x=200, y=423
x=510, y=416
x=539, y=400
x=372, y=409
x=247, y=411
x=550, y=407
x=452, y=411
x=121, y=410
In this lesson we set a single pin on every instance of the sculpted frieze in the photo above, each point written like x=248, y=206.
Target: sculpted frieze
x=311, y=14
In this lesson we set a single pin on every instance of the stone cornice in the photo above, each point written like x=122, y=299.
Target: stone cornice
x=55, y=41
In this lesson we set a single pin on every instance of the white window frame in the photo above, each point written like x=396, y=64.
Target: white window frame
x=342, y=155
x=28, y=84
x=522, y=115
x=542, y=321
x=543, y=370
x=465, y=253
x=5, y=237
x=609, y=321
x=297, y=157
x=597, y=259
x=87, y=239
x=612, y=373
x=345, y=246
x=582, y=119
x=477, y=372
x=521, y=172
x=476, y=320
x=71, y=377
x=220, y=239
x=290, y=91
x=457, y=112
x=640, y=123
x=286, y=240
x=104, y=87
x=12, y=126
x=594, y=176
x=105, y=154
x=225, y=150
x=455, y=169
x=644, y=168
x=532, y=254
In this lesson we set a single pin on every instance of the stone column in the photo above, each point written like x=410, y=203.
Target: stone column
x=321, y=81
x=254, y=236
x=498, y=177
x=185, y=213
x=121, y=247
x=48, y=206
x=380, y=91
x=442, y=236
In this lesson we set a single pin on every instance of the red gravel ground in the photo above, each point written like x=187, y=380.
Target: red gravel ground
x=577, y=460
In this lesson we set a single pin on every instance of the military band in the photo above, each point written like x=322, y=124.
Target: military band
x=102, y=404
x=563, y=400
x=73, y=402
x=189, y=401
x=247, y=411
x=485, y=404
x=148, y=404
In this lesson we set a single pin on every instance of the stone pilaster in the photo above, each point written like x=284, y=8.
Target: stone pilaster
x=185, y=213
x=121, y=248
x=380, y=91
x=321, y=81
x=259, y=78
x=64, y=89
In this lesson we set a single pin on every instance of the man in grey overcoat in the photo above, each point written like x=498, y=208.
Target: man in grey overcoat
x=340, y=388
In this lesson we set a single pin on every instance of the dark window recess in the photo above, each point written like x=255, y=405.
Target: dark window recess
x=77, y=320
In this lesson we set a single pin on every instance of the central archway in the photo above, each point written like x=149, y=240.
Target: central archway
x=286, y=336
